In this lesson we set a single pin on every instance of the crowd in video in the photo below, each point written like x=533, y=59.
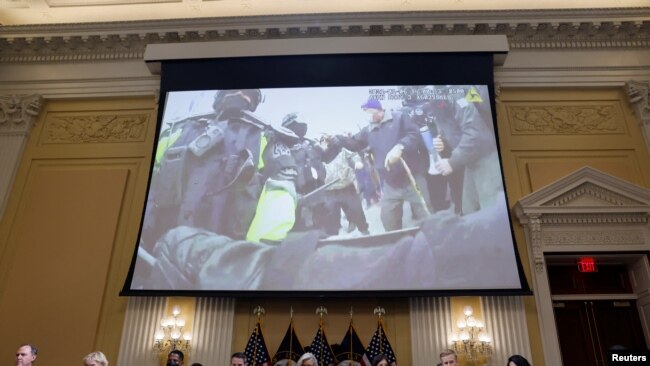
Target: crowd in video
x=243, y=179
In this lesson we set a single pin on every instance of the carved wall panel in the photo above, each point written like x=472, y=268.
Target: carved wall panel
x=559, y=119
x=95, y=128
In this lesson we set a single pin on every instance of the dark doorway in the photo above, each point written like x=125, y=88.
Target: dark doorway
x=587, y=328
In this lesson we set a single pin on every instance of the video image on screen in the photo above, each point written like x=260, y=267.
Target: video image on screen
x=373, y=188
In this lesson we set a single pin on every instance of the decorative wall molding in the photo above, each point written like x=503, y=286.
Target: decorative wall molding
x=591, y=194
x=585, y=212
x=639, y=95
x=530, y=29
x=212, y=331
x=535, y=225
x=594, y=219
x=95, y=129
x=18, y=113
x=584, y=119
x=593, y=237
x=431, y=325
x=505, y=320
x=140, y=323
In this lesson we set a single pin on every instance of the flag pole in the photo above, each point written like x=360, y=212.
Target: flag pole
x=321, y=310
x=290, y=335
x=379, y=311
x=350, y=332
x=257, y=311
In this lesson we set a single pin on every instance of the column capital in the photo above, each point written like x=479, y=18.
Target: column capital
x=638, y=93
x=18, y=113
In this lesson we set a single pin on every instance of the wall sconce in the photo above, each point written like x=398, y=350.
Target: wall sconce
x=471, y=340
x=170, y=336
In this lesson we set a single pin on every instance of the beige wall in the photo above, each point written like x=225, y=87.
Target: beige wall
x=69, y=230
x=546, y=134
x=67, y=236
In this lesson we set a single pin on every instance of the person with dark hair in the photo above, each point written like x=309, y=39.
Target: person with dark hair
x=175, y=358
x=517, y=360
x=238, y=359
x=26, y=355
x=310, y=173
x=197, y=364
x=448, y=358
x=380, y=360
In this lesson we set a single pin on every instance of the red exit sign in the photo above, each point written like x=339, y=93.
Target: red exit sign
x=587, y=264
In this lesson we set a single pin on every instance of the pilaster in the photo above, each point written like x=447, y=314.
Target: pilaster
x=18, y=113
x=639, y=95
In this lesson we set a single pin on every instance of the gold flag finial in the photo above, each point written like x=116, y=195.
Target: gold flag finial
x=259, y=311
x=321, y=310
x=379, y=311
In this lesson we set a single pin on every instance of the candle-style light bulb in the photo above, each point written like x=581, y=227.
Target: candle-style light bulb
x=176, y=310
x=467, y=310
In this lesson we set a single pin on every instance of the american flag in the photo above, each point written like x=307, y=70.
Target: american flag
x=351, y=347
x=290, y=347
x=322, y=350
x=256, y=351
x=379, y=345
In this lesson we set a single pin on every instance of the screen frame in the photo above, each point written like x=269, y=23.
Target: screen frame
x=334, y=69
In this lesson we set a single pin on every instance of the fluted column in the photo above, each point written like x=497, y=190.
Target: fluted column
x=505, y=321
x=213, y=328
x=140, y=323
x=639, y=94
x=17, y=116
x=430, y=328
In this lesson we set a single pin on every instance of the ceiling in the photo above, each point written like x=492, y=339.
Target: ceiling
x=23, y=12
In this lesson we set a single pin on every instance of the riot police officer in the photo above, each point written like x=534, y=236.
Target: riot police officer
x=212, y=173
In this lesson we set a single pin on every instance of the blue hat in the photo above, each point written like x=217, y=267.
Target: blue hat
x=371, y=104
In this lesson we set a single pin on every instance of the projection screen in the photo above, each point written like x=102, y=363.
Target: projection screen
x=279, y=180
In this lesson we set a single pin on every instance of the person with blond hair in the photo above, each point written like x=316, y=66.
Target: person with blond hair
x=95, y=359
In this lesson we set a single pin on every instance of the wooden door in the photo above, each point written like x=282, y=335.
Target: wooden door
x=588, y=329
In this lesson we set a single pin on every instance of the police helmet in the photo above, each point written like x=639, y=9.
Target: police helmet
x=289, y=119
x=255, y=96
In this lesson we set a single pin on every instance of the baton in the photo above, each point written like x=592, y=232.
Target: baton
x=415, y=186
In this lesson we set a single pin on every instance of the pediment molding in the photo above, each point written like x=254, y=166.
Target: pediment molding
x=589, y=194
x=526, y=29
x=586, y=189
x=587, y=210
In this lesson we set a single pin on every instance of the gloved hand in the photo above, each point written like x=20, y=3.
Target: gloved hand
x=444, y=167
x=393, y=155
x=438, y=144
x=333, y=142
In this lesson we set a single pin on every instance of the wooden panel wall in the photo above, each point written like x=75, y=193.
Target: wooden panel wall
x=546, y=134
x=68, y=234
